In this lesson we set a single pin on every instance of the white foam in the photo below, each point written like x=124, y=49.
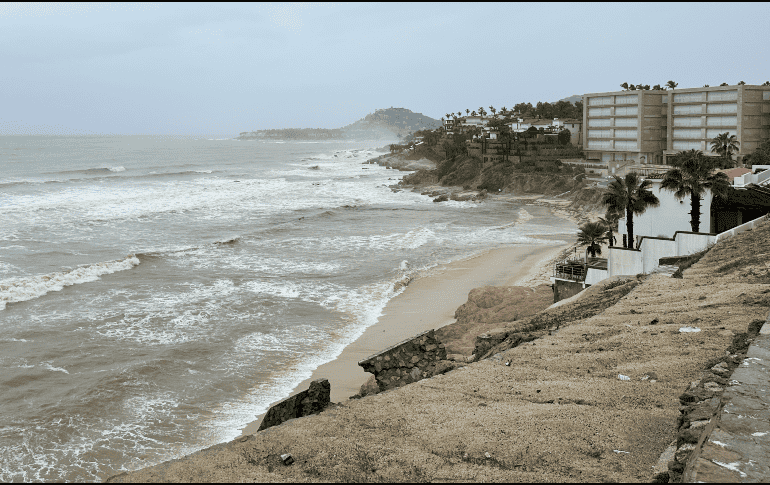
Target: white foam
x=50, y=367
x=116, y=169
x=30, y=287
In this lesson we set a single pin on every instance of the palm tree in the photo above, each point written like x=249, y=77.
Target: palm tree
x=725, y=145
x=691, y=176
x=657, y=88
x=493, y=110
x=672, y=84
x=766, y=83
x=459, y=113
x=610, y=220
x=473, y=113
x=482, y=111
x=741, y=83
x=591, y=234
x=624, y=86
x=467, y=111
x=724, y=84
x=629, y=195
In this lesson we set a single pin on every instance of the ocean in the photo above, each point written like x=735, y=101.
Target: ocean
x=157, y=293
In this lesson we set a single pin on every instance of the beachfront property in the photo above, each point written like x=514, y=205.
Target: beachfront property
x=665, y=231
x=748, y=199
x=639, y=130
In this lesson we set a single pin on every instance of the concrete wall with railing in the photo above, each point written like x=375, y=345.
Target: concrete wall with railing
x=739, y=229
x=752, y=178
x=624, y=261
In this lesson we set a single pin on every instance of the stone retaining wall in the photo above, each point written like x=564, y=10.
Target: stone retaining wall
x=701, y=406
x=305, y=403
x=409, y=361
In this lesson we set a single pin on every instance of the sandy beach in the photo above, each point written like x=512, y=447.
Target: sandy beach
x=429, y=302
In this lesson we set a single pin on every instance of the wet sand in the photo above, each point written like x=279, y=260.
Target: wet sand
x=429, y=302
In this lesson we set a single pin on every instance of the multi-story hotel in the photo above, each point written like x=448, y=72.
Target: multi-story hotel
x=645, y=127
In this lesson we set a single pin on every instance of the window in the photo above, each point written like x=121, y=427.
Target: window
x=687, y=109
x=598, y=111
x=599, y=100
x=687, y=121
x=664, y=99
x=723, y=96
x=625, y=133
x=687, y=145
x=599, y=122
x=688, y=97
x=766, y=95
x=626, y=145
x=630, y=99
x=627, y=122
x=599, y=134
x=714, y=132
x=606, y=157
x=722, y=121
x=722, y=108
x=627, y=111
x=599, y=144
x=683, y=133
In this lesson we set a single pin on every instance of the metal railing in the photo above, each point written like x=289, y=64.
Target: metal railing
x=570, y=269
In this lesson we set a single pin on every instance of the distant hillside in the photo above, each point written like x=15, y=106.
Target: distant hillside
x=387, y=123
x=573, y=99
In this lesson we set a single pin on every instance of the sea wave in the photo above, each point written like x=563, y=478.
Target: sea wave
x=27, y=288
x=119, y=168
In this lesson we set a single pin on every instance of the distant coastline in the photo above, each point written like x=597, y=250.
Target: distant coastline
x=388, y=124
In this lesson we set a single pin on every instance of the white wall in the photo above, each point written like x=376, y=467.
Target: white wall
x=622, y=261
x=670, y=216
x=692, y=243
x=654, y=249
x=594, y=275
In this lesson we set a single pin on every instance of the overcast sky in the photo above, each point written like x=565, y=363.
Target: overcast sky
x=219, y=69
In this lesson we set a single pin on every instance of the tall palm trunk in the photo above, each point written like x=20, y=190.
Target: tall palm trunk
x=694, y=212
x=630, y=228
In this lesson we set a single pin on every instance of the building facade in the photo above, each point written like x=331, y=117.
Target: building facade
x=646, y=127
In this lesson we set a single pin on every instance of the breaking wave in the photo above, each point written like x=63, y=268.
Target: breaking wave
x=27, y=288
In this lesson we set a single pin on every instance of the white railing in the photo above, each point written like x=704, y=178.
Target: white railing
x=739, y=229
x=761, y=178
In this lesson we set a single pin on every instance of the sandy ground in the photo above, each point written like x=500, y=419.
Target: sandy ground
x=595, y=401
x=429, y=302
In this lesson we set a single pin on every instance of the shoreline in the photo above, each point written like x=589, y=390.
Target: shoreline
x=429, y=302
